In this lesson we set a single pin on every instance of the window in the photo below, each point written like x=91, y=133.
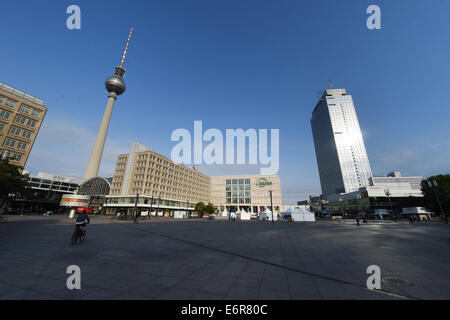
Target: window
x=24, y=108
x=247, y=181
x=2, y=125
x=241, y=181
x=234, y=181
x=21, y=145
x=26, y=134
x=16, y=157
x=15, y=130
x=20, y=119
x=4, y=114
x=10, y=142
x=10, y=103
x=31, y=123
x=228, y=181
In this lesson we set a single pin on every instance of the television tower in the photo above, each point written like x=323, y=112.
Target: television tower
x=115, y=86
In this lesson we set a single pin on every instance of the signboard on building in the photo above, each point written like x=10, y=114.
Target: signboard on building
x=70, y=200
x=263, y=182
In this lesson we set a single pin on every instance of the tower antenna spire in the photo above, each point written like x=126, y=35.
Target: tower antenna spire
x=126, y=48
x=331, y=83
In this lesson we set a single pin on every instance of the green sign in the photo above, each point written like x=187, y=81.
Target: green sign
x=263, y=182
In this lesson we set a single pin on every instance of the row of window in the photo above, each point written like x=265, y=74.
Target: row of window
x=238, y=194
x=28, y=110
x=12, y=143
x=16, y=131
x=235, y=181
x=30, y=123
x=236, y=188
x=23, y=108
x=8, y=102
x=14, y=156
x=240, y=200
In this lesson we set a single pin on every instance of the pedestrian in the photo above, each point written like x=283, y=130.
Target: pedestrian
x=357, y=220
x=411, y=220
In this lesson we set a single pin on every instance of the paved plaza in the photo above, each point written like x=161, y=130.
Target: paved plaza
x=166, y=259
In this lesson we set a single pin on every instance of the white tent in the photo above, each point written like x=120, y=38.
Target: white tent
x=296, y=215
x=243, y=215
x=224, y=213
x=266, y=215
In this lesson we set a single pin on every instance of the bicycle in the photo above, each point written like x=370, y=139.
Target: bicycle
x=78, y=234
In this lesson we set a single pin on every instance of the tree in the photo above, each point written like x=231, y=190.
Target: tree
x=12, y=182
x=200, y=208
x=442, y=190
x=210, y=209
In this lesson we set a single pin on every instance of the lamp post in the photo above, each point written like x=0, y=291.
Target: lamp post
x=388, y=194
x=159, y=200
x=433, y=185
x=4, y=159
x=271, y=204
x=151, y=207
x=135, y=208
x=187, y=208
x=340, y=207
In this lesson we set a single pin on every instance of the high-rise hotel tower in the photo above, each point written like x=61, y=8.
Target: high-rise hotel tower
x=341, y=155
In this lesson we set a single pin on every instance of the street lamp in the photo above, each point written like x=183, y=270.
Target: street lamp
x=388, y=194
x=433, y=185
x=187, y=208
x=151, y=207
x=159, y=200
x=135, y=208
x=271, y=204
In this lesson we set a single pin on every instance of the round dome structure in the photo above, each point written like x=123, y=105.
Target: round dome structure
x=115, y=84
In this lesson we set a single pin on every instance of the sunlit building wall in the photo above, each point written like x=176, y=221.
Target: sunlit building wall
x=341, y=154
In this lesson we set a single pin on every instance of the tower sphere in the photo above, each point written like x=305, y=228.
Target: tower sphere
x=115, y=84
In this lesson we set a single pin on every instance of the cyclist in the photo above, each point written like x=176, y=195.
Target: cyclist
x=81, y=220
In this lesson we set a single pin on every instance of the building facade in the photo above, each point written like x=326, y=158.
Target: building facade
x=251, y=193
x=44, y=194
x=340, y=151
x=157, y=180
x=392, y=192
x=151, y=182
x=21, y=117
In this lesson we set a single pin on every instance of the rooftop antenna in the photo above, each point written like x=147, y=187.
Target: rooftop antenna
x=331, y=83
x=126, y=48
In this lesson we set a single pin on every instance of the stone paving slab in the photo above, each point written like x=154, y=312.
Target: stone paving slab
x=200, y=259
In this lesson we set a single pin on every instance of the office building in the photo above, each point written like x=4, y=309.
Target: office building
x=157, y=180
x=341, y=154
x=21, y=117
x=246, y=192
x=161, y=184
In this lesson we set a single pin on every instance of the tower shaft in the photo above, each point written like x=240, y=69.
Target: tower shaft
x=97, y=150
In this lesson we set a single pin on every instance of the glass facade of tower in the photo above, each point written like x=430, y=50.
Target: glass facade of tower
x=341, y=155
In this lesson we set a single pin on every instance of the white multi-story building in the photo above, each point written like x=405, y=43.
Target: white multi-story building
x=341, y=154
x=248, y=192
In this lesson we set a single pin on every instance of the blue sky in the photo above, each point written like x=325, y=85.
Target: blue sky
x=234, y=64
